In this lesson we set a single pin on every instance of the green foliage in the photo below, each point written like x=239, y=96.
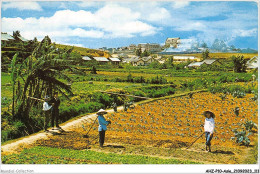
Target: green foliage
x=138, y=52
x=239, y=63
x=145, y=53
x=249, y=125
x=205, y=54
x=242, y=137
x=47, y=155
x=94, y=70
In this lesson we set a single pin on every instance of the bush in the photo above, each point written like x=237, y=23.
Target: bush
x=242, y=137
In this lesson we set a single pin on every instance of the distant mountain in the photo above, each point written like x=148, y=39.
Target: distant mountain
x=249, y=50
x=219, y=46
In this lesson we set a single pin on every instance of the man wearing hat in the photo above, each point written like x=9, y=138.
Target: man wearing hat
x=47, y=112
x=102, y=126
x=55, y=110
x=209, y=127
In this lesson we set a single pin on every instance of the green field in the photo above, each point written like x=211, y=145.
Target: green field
x=47, y=155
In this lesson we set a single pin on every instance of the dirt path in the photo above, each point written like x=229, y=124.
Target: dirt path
x=30, y=141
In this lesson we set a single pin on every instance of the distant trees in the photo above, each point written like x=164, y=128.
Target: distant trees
x=239, y=63
x=205, y=54
x=16, y=35
x=138, y=52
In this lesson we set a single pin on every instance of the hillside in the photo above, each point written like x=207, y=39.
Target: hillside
x=84, y=51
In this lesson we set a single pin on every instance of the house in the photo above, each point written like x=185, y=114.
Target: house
x=148, y=60
x=152, y=47
x=5, y=38
x=172, y=42
x=196, y=64
x=101, y=60
x=184, y=58
x=132, y=47
x=252, y=63
x=23, y=39
x=135, y=61
x=86, y=58
x=212, y=61
x=114, y=61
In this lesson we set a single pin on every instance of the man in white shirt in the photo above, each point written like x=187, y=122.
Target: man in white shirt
x=47, y=112
x=209, y=127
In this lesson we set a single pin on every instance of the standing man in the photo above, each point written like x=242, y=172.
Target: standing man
x=102, y=126
x=47, y=112
x=55, y=101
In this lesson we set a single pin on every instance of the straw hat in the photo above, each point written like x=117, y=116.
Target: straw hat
x=211, y=114
x=102, y=111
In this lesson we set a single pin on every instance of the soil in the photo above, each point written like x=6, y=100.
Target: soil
x=74, y=137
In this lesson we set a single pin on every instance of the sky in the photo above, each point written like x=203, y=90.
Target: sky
x=96, y=24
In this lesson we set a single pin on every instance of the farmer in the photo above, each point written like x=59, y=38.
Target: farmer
x=55, y=101
x=209, y=127
x=47, y=112
x=102, y=126
x=114, y=106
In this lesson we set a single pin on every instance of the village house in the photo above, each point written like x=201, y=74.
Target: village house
x=132, y=47
x=148, y=60
x=252, y=63
x=172, y=42
x=114, y=61
x=101, y=60
x=153, y=47
x=86, y=58
x=185, y=58
x=196, y=64
x=5, y=38
x=214, y=62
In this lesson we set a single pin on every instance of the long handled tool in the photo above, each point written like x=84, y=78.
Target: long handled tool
x=86, y=136
x=35, y=98
x=195, y=140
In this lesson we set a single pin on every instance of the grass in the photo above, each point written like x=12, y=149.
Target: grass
x=47, y=155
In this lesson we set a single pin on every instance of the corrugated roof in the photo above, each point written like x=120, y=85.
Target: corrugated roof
x=86, y=58
x=22, y=39
x=5, y=36
x=101, y=59
x=209, y=61
x=252, y=63
x=134, y=59
x=115, y=59
x=195, y=64
x=145, y=59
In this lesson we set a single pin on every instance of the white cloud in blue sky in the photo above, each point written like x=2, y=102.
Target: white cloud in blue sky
x=113, y=23
x=22, y=6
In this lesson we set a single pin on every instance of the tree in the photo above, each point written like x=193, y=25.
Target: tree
x=138, y=52
x=145, y=53
x=239, y=63
x=94, y=70
x=169, y=62
x=42, y=74
x=16, y=35
x=205, y=54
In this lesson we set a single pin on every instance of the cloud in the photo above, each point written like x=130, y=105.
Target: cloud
x=245, y=33
x=111, y=21
x=180, y=4
x=22, y=5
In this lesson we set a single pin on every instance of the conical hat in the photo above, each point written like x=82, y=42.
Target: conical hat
x=102, y=111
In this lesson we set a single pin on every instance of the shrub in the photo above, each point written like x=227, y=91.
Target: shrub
x=242, y=137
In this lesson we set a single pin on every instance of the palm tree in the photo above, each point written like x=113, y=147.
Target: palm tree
x=43, y=74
